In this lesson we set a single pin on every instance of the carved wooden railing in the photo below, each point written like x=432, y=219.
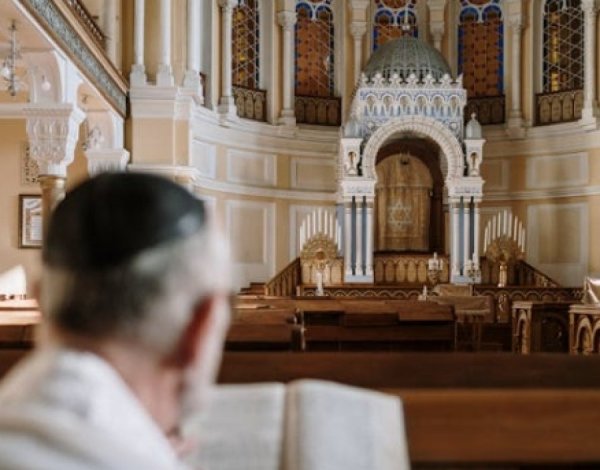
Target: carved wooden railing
x=87, y=20
x=250, y=103
x=503, y=297
x=318, y=110
x=405, y=269
x=562, y=106
x=285, y=283
x=489, y=109
x=519, y=274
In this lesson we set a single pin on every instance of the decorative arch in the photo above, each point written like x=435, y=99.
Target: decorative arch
x=393, y=19
x=584, y=329
x=315, y=48
x=452, y=160
x=481, y=47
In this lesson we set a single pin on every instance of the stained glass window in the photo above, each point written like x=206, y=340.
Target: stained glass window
x=481, y=47
x=246, y=44
x=393, y=19
x=563, y=53
x=314, y=48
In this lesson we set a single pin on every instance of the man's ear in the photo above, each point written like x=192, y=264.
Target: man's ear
x=195, y=333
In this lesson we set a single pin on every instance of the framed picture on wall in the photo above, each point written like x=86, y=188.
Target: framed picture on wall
x=30, y=221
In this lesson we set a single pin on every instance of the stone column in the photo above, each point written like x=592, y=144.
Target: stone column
x=515, y=116
x=287, y=21
x=52, y=133
x=358, y=30
x=164, y=76
x=359, y=240
x=454, y=222
x=589, y=111
x=466, y=233
x=227, y=102
x=369, y=244
x=476, y=231
x=137, y=76
x=53, y=191
x=110, y=29
x=191, y=80
x=348, y=239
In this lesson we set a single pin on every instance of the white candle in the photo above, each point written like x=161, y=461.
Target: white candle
x=504, y=228
x=524, y=238
x=509, y=230
x=493, y=229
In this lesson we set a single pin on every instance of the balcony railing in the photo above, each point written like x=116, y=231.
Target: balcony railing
x=561, y=106
x=250, y=104
x=87, y=20
x=318, y=110
x=489, y=109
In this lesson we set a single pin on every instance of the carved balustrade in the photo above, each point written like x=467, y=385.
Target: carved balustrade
x=87, y=20
x=488, y=109
x=562, y=106
x=540, y=326
x=286, y=282
x=519, y=274
x=322, y=111
x=405, y=269
x=584, y=329
x=250, y=103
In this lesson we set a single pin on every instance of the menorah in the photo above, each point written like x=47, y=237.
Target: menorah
x=504, y=243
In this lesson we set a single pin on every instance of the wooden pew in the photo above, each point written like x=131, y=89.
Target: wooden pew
x=465, y=410
x=367, y=324
x=263, y=329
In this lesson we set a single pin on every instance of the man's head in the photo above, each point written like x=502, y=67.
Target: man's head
x=129, y=259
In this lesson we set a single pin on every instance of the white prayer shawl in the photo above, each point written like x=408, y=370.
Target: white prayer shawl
x=62, y=409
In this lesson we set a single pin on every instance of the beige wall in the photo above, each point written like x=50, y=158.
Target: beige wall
x=12, y=141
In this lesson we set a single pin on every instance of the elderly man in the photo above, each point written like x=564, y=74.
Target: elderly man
x=135, y=294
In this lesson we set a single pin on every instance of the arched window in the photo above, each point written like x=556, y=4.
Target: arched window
x=481, y=58
x=393, y=19
x=250, y=101
x=315, y=63
x=563, y=51
x=246, y=65
x=314, y=48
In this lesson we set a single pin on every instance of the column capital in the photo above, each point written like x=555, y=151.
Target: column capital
x=436, y=4
x=358, y=4
x=53, y=133
x=515, y=21
x=589, y=6
x=228, y=5
x=287, y=19
x=358, y=29
x=106, y=160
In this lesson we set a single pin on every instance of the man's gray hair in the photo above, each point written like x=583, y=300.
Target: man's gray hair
x=148, y=300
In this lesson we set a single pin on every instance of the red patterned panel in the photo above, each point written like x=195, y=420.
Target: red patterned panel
x=313, y=57
x=481, y=65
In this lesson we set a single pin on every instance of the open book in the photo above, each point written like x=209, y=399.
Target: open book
x=306, y=425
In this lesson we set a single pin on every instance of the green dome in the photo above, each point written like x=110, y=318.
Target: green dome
x=405, y=56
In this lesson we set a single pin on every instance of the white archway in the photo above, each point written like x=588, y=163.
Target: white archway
x=420, y=126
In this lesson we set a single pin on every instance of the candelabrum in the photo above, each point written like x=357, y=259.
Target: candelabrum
x=435, y=266
x=504, y=250
x=320, y=263
x=472, y=270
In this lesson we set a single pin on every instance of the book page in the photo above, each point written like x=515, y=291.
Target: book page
x=334, y=427
x=241, y=429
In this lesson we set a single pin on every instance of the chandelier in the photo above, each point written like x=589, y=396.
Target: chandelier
x=14, y=83
x=8, y=72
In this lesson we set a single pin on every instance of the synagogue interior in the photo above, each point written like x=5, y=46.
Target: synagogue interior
x=410, y=190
